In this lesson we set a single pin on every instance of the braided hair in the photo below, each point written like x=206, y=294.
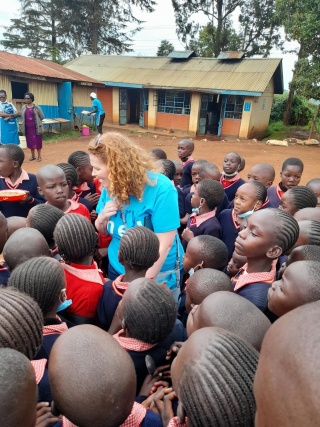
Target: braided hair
x=75, y=237
x=70, y=173
x=42, y=278
x=149, y=310
x=314, y=232
x=14, y=152
x=78, y=158
x=292, y=161
x=139, y=248
x=303, y=197
x=212, y=191
x=261, y=190
x=216, y=389
x=286, y=229
x=44, y=218
x=168, y=168
x=21, y=322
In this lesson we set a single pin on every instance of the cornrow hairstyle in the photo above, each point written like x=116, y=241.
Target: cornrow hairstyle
x=261, y=190
x=292, y=161
x=158, y=154
x=168, y=168
x=44, y=218
x=78, y=158
x=70, y=173
x=303, y=197
x=212, y=191
x=14, y=152
x=21, y=322
x=212, y=251
x=216, y=389
x=314, y=233
x=286, y=229
x=139, y=248
x=149, y=310
x=42, y=278
x=75, y=237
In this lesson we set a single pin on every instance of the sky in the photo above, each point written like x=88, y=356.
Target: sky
x=158, y=25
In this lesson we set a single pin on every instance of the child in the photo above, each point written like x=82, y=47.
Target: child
x=185, y=150
x=269, y=233
x=205, y=282
x=212, y=376
x=236, y=262
x=43, y=279
x=158, y=154
x=139, y=250
x=288, y=293
x=44, y=218
x=314, y=185
x=207, y=196
x=230, y=178
x=309, y=233
x=149, y=324
x=262, y=172
x=13, y=177
x=195, y=176
x=4, y=272
x=89, y=356
x=231, y=312
x=53, y=186
x=205, y=252
x=167, y=167
x=14, y=223
x=76, y=240
x=290, y=174
x=286, y=385
x=297, y=198
x=303, y=253
x=249, y=198
x=312, y=214
x=24, y=244
x=178, y=175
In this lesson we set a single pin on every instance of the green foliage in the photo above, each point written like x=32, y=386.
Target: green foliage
x=277, y=130
x=49, y=137
x=165, y=48
x=301, y=113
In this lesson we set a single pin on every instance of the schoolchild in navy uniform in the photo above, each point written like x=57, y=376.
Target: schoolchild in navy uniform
x=13, y=177
x=290, y=174
x=249, y=198
x=230, y=178
x=185, y=150
x=264, y=173
x=301, y=253
x=207, y=195
x=149, y=324
x=44, y=218
x=211, y=171
x=297, y=198
x=314, y=185
x=139, y=250
x=268, y=234
x=89, y=356
x=4, y=272
x=236, y=262
x=178, y=175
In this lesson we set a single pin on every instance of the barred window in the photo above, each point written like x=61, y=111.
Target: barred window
x=234, y=106
x=173, y=102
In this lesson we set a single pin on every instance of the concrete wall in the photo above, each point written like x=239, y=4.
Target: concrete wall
x=194, y=113
x=172, y=121
x=230, y=127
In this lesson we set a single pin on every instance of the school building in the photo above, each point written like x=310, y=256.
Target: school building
x=60, y=92
x=227, y=96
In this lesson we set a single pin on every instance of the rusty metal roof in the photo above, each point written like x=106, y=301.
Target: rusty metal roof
x=40, y=68
x=198, y=74
x=231, y=55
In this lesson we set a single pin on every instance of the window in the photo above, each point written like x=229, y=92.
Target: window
x=234, y=106
x=173, y=102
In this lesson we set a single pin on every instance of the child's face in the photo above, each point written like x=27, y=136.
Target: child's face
x=257, y=239
x=55, y=189
x=316, y=189
x=191, y=256
x=7, y=165
x=290, y=176
x=194, y=320
x=246, y=199
x=184, y=149
x=235, y=263
x=195, y=173
x=287, y=203
x=288, y=292
x=178, y=175
x=85, y=172
x=196, y=199
x=100, y=170
x=231, y=164
x=258, y=174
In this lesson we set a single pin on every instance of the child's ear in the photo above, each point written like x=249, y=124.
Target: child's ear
x=274, y=252
x=258, y=205
x=15, y=164
x=123, y=324
x=269, y=183
x=40, y=191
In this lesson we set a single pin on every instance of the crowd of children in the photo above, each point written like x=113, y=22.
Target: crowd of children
x=239, y=348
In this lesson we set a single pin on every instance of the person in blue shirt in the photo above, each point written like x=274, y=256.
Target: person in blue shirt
x=135, y=194
x=98, y=111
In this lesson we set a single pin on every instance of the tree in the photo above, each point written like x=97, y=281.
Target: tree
x=165, y=48
x=63, y=29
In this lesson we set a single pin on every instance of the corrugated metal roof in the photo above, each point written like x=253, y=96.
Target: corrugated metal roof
x=231, y=55
x=250, y=75
x=181, y=54
x=41, y=68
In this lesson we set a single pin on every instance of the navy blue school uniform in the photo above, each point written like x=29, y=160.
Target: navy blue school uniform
x=206, y=224
x=181, y=203
x=4, y=274
x=274, y=195
x=231, y=189
x=52, y=329
x=224, y=205
x=186, y=173
x=230, y=230
x=108, y=303
x=28, y=182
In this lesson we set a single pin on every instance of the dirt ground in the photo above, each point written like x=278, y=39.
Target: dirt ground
x=253, y=151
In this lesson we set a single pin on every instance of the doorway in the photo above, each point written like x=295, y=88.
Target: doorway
x=133, y=105
x=210, y=114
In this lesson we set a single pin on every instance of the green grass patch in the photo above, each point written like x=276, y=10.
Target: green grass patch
x=49, y=137
x=277, y=130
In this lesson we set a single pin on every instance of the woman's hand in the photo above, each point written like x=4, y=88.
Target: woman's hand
x=110, y=209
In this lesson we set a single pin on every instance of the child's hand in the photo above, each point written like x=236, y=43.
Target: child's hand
x=92, y=198
x=184, y=220
x=163, y=402
x=187, y=234
x=44, y=416
x=27, y=198
x=152, y=382
x=174, y=349
x=93, y=215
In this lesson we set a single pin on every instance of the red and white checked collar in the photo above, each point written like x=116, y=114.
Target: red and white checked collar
x=243, y=278
x=174, y=422
x=132, y=343
x=190, y=159
x=67, y=423
x=199, y=219
x=119, y=284
x=39, y=367
x=54, y=329
x=86, y=274
x=227, y=182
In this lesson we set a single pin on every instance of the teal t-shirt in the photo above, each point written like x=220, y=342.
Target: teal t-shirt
x=159, y=205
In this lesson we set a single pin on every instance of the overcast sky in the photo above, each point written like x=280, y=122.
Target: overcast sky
x=158, y=25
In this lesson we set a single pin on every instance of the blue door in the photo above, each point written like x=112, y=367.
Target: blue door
x=65, y=101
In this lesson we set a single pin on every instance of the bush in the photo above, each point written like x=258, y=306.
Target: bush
x=301, y=113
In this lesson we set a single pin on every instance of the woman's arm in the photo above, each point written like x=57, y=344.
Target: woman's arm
x=40, y=113
x=110, y=209
x=166, y=241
